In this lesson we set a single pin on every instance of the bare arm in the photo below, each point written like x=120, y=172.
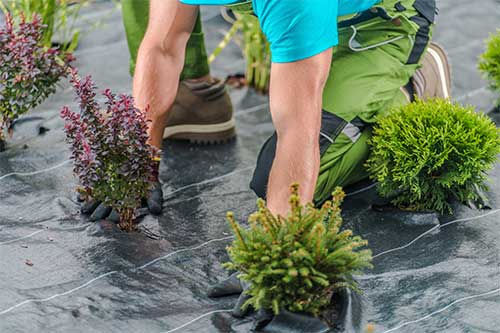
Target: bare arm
x=296, y=98
x=160, y=61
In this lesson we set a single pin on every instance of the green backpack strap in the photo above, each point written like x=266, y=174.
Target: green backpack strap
x=242, y=7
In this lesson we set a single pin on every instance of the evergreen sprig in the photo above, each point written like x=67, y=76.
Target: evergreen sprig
x=426, y=153
x=489, y=63
x=296, y=263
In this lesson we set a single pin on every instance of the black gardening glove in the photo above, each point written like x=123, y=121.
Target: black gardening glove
x=154, y=202
x=99, y=211
x=234, y=286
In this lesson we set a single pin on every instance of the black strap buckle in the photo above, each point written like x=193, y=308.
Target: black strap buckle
x=399, y=7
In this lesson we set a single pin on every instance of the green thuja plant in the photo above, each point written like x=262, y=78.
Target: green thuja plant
x=489, y=63
x=297, y=262
x=426, y=153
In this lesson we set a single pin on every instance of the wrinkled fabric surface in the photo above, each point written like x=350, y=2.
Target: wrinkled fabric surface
x=61, y=273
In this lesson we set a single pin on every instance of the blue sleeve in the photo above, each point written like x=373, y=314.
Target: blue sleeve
x=298, y=29
x=347, y=7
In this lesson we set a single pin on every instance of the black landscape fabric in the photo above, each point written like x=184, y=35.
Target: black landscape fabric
x=62, y=273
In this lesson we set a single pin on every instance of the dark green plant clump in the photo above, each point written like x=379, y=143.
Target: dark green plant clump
x=426, y=153
x=29, y=71
x=489, y=63
x=296, y=263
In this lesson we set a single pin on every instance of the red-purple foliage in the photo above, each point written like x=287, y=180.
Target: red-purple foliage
x=28, y=71
x=110, y=150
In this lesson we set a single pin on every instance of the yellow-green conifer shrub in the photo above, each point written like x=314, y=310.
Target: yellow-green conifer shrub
x=428, y=152
x=489, y=63
x=296, y=263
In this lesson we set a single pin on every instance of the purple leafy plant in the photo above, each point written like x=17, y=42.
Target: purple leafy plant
x=29, y=71
x=110, y=150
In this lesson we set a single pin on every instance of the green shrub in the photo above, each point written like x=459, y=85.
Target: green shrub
x=296, y=263
x=426, y=153
x=58, y=16
x=489, y=63
x=255, y=47
x=257, y=53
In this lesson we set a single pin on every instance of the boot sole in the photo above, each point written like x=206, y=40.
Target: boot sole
x=202, y=134
x=441, y=60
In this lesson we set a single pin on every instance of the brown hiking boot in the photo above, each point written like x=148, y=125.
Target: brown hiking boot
x=202, y=113
x=433, y=79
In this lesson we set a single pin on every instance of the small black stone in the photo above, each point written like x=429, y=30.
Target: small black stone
x=42, y=130
x=75, y=313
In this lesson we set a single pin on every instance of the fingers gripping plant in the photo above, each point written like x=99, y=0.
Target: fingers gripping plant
x=425, y=153
x=29, y=72
x=112, y=159
x=296, y=263
x=489, y=63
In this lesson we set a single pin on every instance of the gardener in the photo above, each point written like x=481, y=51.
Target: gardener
x=323, y=100
x=316, y=91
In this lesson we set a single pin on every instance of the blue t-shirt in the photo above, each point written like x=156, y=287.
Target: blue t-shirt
x=210, y=2
x=298, y=29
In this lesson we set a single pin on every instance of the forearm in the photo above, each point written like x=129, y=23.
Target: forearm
x=160, y=61
x=296, y=100
x=297, y=161
x=155, y=87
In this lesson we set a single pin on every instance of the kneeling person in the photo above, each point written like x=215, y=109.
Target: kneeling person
x=325, y=100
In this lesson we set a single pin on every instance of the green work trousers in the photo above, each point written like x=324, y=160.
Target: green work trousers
x=375, y=58
x=379, y=50
x=135, y=15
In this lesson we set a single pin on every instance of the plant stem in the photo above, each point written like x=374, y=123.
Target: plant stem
x=127, y=217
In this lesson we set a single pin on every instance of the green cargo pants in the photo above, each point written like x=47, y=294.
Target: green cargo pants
x=365, y=82
x=135, y=15
x=379, y=51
